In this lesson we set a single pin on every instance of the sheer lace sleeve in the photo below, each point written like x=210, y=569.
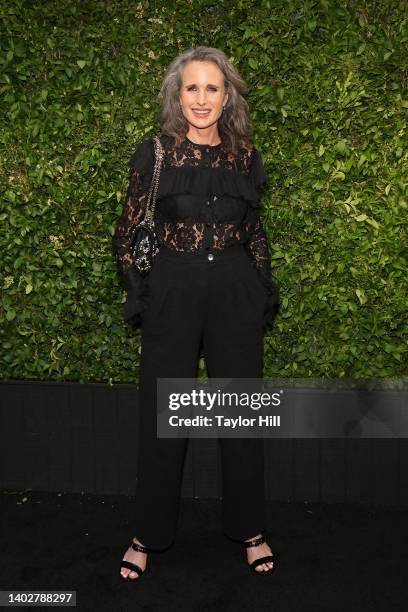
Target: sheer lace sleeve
x=140, y=171
x=257, y=245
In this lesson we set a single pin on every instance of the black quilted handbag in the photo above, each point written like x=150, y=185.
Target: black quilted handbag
x=144, y=244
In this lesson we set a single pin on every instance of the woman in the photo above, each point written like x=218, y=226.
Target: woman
x=210, y=286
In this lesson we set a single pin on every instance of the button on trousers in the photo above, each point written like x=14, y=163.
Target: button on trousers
x=215, y=304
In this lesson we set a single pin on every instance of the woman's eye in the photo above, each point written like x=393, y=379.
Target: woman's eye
x=193, y=87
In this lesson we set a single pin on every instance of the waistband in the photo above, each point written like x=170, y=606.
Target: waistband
x=230, y=252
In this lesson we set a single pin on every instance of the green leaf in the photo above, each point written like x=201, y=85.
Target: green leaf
x=10, y=314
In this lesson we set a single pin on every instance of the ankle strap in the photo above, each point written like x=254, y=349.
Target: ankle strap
x=139, y=547
x=256, y=542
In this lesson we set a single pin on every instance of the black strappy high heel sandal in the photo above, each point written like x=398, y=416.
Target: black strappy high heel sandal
x=133, y=566
x=268, y=558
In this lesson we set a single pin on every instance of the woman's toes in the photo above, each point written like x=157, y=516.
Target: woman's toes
x=264, y=567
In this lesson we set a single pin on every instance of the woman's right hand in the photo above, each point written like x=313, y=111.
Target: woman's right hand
x=136, y=303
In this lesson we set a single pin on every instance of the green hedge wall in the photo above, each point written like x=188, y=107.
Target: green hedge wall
x=327, y=88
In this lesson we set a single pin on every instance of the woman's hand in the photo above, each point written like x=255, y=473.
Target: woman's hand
x=272, y=304
x=137, y=300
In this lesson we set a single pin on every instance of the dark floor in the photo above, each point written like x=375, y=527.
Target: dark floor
x=331, y=558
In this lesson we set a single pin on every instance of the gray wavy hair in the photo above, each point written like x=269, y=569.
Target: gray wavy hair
x=234, y=126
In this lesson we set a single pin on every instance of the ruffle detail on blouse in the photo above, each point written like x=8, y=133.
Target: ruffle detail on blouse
x=201, y=180
x=204, y=181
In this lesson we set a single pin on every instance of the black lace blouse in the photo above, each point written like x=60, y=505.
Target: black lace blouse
x=207, y=199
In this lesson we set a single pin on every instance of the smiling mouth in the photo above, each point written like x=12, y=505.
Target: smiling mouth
x=201, y=113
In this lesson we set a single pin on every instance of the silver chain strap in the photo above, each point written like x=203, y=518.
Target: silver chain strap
x=151, y=200
x=146, y=248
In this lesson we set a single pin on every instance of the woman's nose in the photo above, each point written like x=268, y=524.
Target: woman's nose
x=201, y=97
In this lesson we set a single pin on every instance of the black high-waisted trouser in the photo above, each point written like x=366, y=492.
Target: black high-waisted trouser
x=215, y=301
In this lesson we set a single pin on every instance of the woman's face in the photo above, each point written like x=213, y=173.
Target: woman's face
x=202, y=89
